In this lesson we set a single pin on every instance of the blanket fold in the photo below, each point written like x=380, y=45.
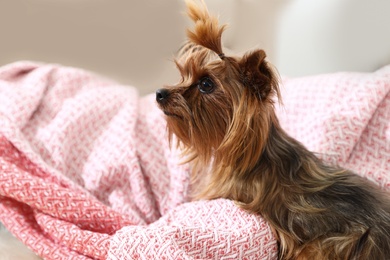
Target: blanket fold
x=86, y=171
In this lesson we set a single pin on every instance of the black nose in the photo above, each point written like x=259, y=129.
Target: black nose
x=162, y=94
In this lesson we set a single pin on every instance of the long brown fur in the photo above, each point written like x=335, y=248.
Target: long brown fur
x=238, y=151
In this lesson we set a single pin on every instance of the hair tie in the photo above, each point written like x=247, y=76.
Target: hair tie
x=221, y=55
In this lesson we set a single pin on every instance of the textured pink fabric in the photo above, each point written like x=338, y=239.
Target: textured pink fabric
x=86, y=171
x=345, y=118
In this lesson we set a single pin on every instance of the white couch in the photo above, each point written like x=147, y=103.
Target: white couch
x=134, y=41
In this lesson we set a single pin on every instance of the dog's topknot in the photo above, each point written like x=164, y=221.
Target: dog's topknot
x=207, y=32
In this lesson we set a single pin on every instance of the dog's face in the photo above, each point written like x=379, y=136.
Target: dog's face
x=217, y=105
x=198, y=108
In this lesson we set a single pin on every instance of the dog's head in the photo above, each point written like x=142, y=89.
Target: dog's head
x=220, y=110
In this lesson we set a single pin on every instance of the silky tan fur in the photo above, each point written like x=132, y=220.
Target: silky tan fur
x=238, y=151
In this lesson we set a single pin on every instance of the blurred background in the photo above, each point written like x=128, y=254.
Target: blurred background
x=134, y=41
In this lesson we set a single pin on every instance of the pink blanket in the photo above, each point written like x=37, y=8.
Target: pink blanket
x=86, y=171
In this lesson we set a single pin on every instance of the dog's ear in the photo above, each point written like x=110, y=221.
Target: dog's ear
x=256, y=74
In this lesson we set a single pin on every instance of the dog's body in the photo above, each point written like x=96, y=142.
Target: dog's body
x=222, y=113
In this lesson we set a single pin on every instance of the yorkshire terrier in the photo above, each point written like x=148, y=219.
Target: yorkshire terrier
x=222, y=114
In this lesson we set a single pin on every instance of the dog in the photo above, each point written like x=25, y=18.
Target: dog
x=222, y=115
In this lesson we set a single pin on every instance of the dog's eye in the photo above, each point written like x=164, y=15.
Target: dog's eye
x=206, y=85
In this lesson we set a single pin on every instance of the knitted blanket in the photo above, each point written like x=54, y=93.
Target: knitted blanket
x=86, y=171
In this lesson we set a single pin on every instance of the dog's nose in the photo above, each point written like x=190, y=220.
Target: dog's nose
x=162, y=94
